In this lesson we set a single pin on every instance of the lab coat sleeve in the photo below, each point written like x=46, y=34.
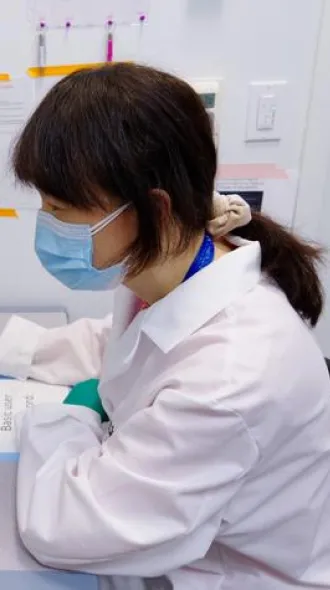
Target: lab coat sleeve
x=61, y=356
x=146, y=501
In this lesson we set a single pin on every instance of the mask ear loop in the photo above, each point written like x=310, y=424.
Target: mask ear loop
x=104, y=222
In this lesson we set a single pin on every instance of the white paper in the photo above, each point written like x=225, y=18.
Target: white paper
x=240, y=185
x=16, y=104
x=16, y=397
x=16, y=98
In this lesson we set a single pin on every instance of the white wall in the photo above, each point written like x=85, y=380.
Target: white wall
x=238, y=40
x=312, y=217
x=323, y=237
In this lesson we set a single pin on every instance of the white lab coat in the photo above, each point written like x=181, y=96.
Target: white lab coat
x=218, y=471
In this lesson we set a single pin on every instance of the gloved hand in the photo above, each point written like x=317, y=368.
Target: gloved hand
x=86, y=394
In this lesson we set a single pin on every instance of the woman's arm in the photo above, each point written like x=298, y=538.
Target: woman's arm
x=146, y=501
x=61, y=356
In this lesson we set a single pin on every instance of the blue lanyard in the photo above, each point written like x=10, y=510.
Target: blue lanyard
x=204, y=257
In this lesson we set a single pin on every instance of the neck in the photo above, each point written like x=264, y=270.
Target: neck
x=156, y=282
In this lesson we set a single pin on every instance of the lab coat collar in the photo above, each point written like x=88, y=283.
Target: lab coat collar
x=181, y=313
x=196, y=301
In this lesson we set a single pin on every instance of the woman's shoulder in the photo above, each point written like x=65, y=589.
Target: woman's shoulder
x=263, y=359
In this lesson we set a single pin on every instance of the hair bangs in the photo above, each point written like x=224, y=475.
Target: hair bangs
x=45, y=157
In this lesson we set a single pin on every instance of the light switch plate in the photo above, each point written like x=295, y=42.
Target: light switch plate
x=266, y=111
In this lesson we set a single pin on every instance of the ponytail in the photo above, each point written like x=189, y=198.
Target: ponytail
x=290, y=262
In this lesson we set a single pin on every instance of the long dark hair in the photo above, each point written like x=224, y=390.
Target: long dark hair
x=290, y=262
x=124, y=130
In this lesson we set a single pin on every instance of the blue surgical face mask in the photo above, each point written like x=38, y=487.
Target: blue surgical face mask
x=66, y=251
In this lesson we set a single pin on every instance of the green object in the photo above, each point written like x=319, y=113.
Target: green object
x=86, y=394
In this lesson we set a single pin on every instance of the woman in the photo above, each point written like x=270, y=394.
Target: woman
x=214, y=471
